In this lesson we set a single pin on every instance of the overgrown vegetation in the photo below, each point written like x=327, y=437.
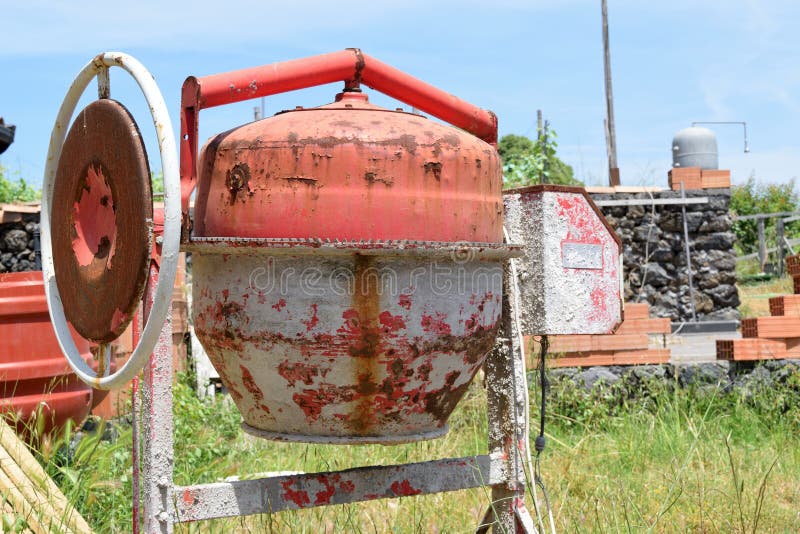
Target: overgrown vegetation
x=16, y=190
x=529, y=162
x=634, y=456
x=754, y=197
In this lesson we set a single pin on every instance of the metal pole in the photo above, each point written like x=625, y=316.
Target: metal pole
x=688, y=256
x=543, y=147
x=613, y=169
x=744, y=125
x=538, y=124
x=505, y=371
x=539, y=137
x=158, y=450
x=135, y=430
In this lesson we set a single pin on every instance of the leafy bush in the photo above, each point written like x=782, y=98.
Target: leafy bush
x=526, y=162
x=752, y=198
x=16, y=190
x=774, y=404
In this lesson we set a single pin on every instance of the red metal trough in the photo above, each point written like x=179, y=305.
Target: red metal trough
x=35, y=379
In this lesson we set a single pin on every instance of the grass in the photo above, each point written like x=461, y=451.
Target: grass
x=681, y=461
x=666, y=460
x=755, y=296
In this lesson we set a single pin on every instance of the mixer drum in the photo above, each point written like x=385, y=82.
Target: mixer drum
x=349, y=170
x=347, y=274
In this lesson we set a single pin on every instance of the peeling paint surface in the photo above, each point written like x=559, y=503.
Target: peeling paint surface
x=570, y=277
x=295, y=491
x=349, y=170
x=354, y=347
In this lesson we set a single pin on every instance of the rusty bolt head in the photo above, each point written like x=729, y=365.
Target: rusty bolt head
x=237, y=178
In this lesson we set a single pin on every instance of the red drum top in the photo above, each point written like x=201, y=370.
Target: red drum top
x=349, y=170
x=102, y=221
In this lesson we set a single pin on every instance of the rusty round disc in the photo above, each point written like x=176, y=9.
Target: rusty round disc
x=101, y=221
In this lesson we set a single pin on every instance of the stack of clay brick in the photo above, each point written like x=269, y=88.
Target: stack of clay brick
x=697, y=178
x=770, y=338
x=629, y=345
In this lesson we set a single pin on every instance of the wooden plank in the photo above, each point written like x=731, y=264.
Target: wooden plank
x=773, y=327
x=591, y=343
x=788, y=305
x=17, y=458
x=764, y=215
x=656, y=325
x=652, y=201
x=15, y=212
x=636, y=310
x=637, y=189
x=628, y=357
x=713, y=178
x=796, y=285
x=749, y=349
x=604, y=189
x=792, y=243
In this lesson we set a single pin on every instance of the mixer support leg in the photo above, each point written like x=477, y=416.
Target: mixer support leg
x=505, y=370
x=157, y=427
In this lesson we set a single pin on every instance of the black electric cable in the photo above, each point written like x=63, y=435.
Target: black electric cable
x=541, y=441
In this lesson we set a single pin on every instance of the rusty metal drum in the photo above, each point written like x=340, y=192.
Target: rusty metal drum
x=35, y=379
x=316, y=343
x=347, y=270
x=349, y=170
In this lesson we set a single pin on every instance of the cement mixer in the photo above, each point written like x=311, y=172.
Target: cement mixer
x=349, y=272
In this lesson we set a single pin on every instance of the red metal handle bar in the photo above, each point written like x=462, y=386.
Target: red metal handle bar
x=350, y=66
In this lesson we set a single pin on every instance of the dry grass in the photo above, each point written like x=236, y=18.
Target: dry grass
x=755, y=296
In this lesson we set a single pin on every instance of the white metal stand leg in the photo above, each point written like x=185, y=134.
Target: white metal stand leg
x=505, y=371
x=502, y=469
x=157, y=426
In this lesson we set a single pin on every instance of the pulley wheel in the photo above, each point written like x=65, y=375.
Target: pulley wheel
x=102, y=201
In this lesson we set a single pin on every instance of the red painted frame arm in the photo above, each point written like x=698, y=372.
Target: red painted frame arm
x=350, y=66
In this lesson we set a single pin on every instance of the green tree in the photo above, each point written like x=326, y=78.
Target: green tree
x=526, y=161
x=157, y=181
x=752, y=198
x=16, y=190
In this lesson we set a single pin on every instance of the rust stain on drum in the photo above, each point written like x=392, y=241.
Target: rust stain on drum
x=366, y=303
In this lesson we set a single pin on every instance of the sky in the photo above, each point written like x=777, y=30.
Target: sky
x=672, y=63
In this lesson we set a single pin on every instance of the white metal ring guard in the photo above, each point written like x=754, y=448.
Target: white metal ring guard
x=98, y=67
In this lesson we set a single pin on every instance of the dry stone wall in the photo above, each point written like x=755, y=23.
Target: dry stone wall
x=654, y=260
x=17, y=249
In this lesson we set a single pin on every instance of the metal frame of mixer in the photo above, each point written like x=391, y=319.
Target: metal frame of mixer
x=165, y=503
x=502, y=468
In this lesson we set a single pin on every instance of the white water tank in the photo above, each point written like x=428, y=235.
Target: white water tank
x=695, y=147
